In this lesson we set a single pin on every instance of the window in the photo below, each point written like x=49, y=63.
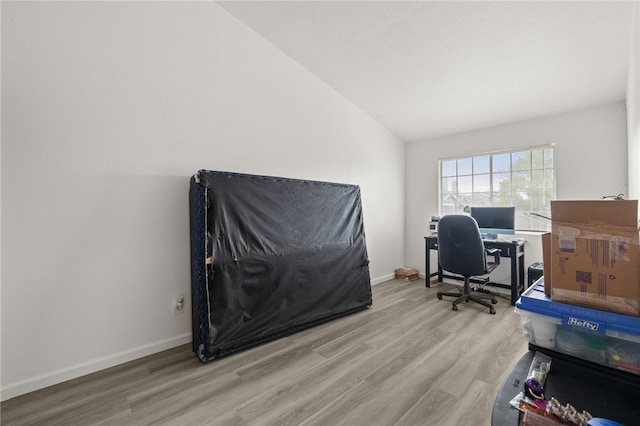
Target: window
x=524, y=179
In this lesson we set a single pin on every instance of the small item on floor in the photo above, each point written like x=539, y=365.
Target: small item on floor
x=534, y=383
x=407, y=274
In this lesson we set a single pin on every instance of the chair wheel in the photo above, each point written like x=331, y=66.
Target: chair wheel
x=439, y=297
x=454, y=308
x=494, y=301
x=492, y=311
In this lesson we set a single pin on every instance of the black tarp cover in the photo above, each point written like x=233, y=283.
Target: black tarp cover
x=285, y=255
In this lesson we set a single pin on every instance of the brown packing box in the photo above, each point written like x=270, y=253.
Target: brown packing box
x=595, y=256
x=546, y=262
x=407, y=274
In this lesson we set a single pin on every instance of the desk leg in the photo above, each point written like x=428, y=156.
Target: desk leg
x=427, y=261
x=521, y=271
x=514, y=275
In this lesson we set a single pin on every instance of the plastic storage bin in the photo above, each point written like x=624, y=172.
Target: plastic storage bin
x=606, y=338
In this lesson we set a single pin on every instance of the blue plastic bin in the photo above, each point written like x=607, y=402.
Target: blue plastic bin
x=602, y=337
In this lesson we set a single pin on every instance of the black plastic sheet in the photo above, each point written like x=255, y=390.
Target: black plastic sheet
x=272, y=256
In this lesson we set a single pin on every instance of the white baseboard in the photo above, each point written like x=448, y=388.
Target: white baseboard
x=62, y=375
x=382, y=279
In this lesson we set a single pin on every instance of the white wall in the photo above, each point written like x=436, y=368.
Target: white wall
x=108, y=109
x=591, y=161
x=633, y=106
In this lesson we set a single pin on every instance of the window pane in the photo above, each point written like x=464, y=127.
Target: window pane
x=549, y=161
x=501, y=163
x=464, y=200
x=449, y=209
x=502, y=183
x=450, y=199
x=550, y=185
x=465, y=166
x=449, y=204
x=465, y=184
x=482, y=164
x=481, y=199
x=449, y=185
x=537, y=159
x=448, y=167
x=502, y=199
x=482, y=183
x=536, y=189
x=521, y=160
x=520, y=187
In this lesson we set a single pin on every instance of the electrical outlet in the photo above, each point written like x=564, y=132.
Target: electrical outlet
x=178, y=305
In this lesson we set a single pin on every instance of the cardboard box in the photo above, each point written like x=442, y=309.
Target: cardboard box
x=407, y=274
x=595, y=256
x=546, y=262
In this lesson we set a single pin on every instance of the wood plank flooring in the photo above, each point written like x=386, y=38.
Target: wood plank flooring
x=408, y=360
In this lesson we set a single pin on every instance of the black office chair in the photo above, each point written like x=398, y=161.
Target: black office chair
x=461, y=251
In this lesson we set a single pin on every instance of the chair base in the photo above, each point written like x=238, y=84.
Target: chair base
x=466, y=295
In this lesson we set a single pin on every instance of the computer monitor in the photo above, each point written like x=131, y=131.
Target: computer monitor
x=494, y=220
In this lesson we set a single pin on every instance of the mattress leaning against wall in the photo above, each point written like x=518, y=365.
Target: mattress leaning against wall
x=271, y=256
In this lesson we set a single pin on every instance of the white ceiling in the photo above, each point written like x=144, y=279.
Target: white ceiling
x=430, y=68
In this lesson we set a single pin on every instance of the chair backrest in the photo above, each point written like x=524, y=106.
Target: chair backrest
x=460, y=246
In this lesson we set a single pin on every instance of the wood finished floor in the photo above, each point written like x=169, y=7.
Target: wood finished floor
x=408, y=360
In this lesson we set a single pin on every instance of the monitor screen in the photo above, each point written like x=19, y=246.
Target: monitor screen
x=494, y=220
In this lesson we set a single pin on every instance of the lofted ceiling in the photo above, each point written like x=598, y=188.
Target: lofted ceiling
x=432, y=68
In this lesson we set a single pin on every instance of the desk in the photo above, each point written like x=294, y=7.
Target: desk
x=603, y=392
x=512, y=250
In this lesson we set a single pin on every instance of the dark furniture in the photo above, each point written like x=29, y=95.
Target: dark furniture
x=271, y=256
x=534, y=272
x=514, y=250
x=602, y=391
x=462, y=252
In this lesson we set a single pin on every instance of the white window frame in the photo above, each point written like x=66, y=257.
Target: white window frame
x=483, y=180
